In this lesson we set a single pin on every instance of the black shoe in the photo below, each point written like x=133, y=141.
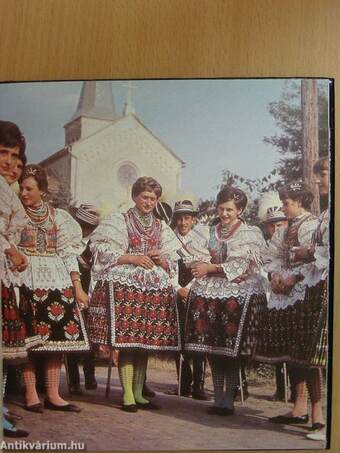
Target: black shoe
x=147, y=392
x=238, y=395
x=38, y=408
x=317, y=426
x=148, y=406
x=214, y=410
x=226, y=411
x=199, y=394
x=129, y=408
x=186, y=393
x=75, y=390
x=15, y=432
x=91, y=383
x=65, y=408
x=277, y=397
x=287, y=420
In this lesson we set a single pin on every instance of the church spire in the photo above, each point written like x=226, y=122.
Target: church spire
x=96, y=101
x=129, y=107
x=95, y=110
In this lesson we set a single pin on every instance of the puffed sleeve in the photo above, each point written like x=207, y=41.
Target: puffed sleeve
x=12, y=217
x=318, y=269
x=243, y=254
x=275, y=254
x=69, y=240
x=109, y=241
x=169, y=246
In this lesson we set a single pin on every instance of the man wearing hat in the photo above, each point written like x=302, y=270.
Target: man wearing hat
x=194, y=239
x=88, y=218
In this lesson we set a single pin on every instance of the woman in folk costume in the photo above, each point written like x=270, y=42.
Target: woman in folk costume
x=293, y=316
x=226, y=298
x=133, y=304
x=313, y=273
x=12, y=219
x=51, y=295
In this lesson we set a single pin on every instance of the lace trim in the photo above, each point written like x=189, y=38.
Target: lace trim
x=219, y=287
x=138, y=277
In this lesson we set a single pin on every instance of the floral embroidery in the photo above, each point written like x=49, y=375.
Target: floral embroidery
x=71, y=330
x=44, y=330
x=56, y=311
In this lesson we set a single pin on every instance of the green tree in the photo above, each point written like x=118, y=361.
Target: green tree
x=287, y=114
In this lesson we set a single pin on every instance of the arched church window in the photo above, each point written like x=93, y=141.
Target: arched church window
x=127, y=174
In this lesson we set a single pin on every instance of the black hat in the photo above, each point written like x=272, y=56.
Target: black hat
x=163, y=211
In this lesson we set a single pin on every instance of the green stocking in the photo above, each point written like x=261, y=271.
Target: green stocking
x=125, y=369
x=140, y=364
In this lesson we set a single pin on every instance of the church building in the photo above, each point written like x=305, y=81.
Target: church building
x=105, y=153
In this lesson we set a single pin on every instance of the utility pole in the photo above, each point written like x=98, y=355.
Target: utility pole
x=310, y=136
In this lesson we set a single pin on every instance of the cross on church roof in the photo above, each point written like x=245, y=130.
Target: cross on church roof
x=129, y=107
x=96, y=101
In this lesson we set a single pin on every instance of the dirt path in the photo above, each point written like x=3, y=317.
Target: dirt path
x=181, y=424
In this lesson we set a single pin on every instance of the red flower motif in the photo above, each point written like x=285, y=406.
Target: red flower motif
x=152, y=242
x=152, y=314
x=134, y=324
x=149, y=328
x=43, y=329
x=119, y=295
x=162, y=314
x=201, y=325
x=230, y=329
x=40, y=293
x=135, y=241
x=72, y=328
x=130, y=295
x=168, y=330
x=158, y=329
x=199, y=303
x=140, y=297
x=5, y=334
x=138, y=311
x=232, y=305
x=213, y=305
x=128, y=309
x=12, y=314
x=68, y=293
x=157, y=299
x=125, y=324
x=118, y=309
x=56, y=309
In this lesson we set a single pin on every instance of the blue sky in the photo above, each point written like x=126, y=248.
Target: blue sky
x=211, y=124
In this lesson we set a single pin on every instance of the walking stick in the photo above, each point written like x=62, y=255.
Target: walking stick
x=108, y=382
x=67, y=373
x=180, y=374
x=285, y=380
x=241, y=384
x=204, y=370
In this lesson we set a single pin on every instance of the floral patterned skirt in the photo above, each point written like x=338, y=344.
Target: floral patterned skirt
x=129, y=318
x=13, y=329
x=227, y=327
x=297, y=333
x=54, y=315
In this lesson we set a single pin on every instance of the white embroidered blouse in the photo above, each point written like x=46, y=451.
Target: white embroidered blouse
x=112, y=239
x=278, y=258
x=52, y=270
x=239, y=256
x=12, y=221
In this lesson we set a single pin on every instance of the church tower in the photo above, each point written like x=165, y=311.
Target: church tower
x=95, y=111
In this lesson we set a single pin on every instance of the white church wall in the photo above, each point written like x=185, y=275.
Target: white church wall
x=100, y=157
